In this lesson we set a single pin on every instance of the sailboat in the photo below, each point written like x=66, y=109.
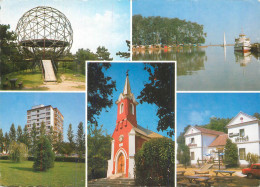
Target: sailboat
x=224, y=43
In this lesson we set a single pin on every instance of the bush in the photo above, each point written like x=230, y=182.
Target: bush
x=154, y=163
x=18, y=152
x=5, y=157
x=44, y=156
x=251, y=158
x=69, y=159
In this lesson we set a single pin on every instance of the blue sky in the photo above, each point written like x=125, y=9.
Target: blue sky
x=94, y=22
x=217, y=16
x=14, y=106
x=198, y=108
x=146, y=113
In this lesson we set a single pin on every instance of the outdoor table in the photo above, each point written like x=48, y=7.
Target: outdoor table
x=197, y=178
x=13, y=81
x=201, y=172
x=223, y=172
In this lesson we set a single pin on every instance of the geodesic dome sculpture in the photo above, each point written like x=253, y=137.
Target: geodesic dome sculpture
x=44, y=32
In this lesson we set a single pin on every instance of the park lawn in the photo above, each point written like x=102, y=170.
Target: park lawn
x=22, y=174
x=71, y=75
x=31, y=80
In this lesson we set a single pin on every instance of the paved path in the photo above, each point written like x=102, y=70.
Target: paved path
x=49, y=72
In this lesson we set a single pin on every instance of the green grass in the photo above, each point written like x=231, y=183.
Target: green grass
x=71, y=75
x=31, y=80
x=22, y=174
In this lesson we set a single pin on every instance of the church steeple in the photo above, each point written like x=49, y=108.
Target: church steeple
x=127, y=104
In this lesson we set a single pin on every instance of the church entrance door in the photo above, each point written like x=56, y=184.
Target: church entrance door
x=121, y=163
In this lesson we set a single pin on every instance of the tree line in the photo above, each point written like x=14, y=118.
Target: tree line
x=168, y=31
x=75, y=144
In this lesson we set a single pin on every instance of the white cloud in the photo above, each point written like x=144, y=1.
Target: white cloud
x=197, y=118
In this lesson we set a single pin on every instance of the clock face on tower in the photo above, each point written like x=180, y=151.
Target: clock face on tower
x=121, y=137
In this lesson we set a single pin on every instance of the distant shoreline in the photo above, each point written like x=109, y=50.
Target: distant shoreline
x=142, y=47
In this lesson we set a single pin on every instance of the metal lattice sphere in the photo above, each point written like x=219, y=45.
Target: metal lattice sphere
x=44, y=32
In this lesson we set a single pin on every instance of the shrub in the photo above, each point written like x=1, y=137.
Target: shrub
x=18, y=152
x=231, y=153
x=154, y=163
x=5, y=157
x=251, y=158
x=44, y=156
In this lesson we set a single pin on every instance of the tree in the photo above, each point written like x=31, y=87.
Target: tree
x=183, y=154
x=19, y=134
x=82, y=55
x=1, y=141
x=18, y=152
x=59, y=143
x=99, y=149
x=7, y=141
x=12, y=133
x=218, y=124
x=125, y=54
x=51, y=136
x=252, y=158
x=71, y=137
x=231, y=153
x=44, y=156
x=100, y=89
x=80, y=140
x=26, y=137
x=33, y=137
x=160, y=90
x=155, y=163
x=103, y=54
x=42, y=129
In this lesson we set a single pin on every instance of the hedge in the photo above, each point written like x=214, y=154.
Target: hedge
x=57, y=159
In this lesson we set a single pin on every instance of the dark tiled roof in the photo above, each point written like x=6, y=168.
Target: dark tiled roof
x=219, y=141
x=147, y=131
x=208, y=131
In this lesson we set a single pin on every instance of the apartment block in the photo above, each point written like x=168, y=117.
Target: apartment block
x=52, y=117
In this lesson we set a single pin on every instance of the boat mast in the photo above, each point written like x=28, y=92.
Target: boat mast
x=224, y=44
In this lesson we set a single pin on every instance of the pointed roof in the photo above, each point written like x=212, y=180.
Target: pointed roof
x=221, y=140
x=202, y=130
x=241, y=118
x=208, y=131
x=127, y=92
x=127, y=88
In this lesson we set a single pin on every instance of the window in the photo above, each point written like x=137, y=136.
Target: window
x=132, y=109
x=121, y=108
x=192, y=140
x=192, y=155
x=242, y=132
x=242, y=153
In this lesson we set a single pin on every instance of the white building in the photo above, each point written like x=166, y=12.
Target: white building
x=47, y=114
x=199, y=140
x=243, y=129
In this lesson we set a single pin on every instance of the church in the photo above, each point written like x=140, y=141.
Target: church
x=128, y=136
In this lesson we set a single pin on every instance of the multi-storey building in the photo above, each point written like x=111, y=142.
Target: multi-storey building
x=52, y=117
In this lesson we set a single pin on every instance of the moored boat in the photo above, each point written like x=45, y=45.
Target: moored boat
x=242, y=43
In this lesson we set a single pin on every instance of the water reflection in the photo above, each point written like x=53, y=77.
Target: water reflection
x=243, y=58
x=210, y=69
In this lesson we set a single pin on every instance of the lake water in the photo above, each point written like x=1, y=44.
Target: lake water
x=211, y=69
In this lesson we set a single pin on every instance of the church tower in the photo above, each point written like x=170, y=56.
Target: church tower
x=128, y=136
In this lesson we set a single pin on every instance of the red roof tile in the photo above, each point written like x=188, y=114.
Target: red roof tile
x=209, y=131
x=219, y=141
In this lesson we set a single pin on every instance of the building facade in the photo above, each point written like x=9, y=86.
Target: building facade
x=243, y=130
x=52, y=117
x=128, y=136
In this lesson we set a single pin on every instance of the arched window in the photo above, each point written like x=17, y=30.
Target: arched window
x=132, y=109
x=121, y=108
